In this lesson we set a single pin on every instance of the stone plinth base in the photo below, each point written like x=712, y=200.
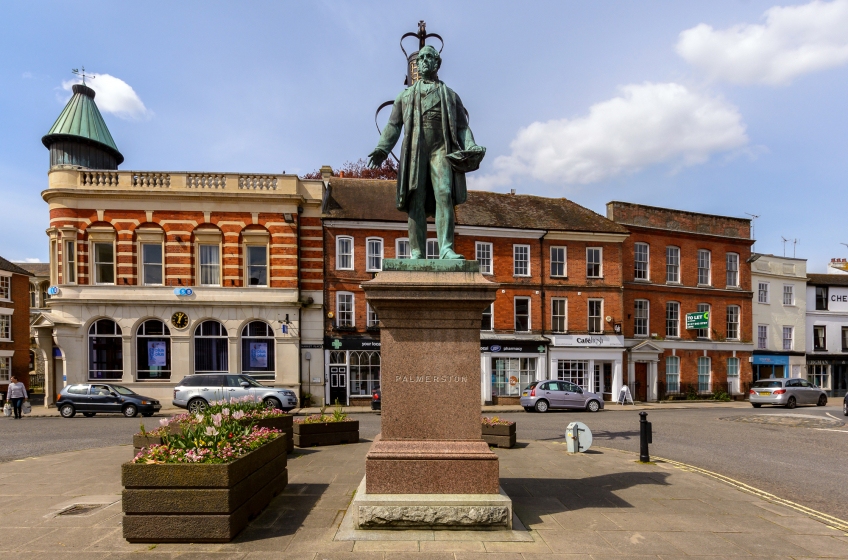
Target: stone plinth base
x=431, y=467
x=431, y=511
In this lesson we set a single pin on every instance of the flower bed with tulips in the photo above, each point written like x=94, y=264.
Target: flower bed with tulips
x=498, y=431
x=325, y=429
x=210, y=475
x=245, y=411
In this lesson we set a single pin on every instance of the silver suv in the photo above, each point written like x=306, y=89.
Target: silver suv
x=195, y=392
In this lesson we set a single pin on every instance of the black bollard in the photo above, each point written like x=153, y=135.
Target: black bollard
x=644, y=437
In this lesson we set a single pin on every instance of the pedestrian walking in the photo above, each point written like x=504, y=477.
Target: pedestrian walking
x=16, y=394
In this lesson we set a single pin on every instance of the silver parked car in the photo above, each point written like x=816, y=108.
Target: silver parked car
x=786, y=392
x=195, y=392
x=542, y=395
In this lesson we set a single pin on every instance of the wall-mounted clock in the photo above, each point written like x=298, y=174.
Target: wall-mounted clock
x=179, y=320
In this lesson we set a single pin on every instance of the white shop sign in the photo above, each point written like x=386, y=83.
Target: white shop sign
x=837, y=299
x=588, y=340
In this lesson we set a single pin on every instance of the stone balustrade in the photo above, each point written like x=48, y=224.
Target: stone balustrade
x=162, y=181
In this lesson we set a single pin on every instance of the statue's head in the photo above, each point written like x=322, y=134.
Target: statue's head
x=429, y=62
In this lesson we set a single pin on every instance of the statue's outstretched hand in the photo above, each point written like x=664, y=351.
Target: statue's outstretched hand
x=376, y=158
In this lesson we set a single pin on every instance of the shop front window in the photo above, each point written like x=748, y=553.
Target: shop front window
x=509, y=375
x=105, y=350
x=575, y=371
x=820, y=376
x=211, y=348
x=364, y=372
x=257, y=350
x=153, y=351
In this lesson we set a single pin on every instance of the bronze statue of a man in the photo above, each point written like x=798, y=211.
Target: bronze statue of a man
x=438, y=149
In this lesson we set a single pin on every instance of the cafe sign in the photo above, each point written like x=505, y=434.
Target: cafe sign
x=698, y=320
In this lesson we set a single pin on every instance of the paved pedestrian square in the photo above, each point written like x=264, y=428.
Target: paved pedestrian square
x=600, y=504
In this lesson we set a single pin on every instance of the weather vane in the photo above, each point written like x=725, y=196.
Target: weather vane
x=82, y=74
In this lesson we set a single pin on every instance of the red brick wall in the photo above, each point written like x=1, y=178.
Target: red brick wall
x=679, y=220
x=609, y=287
x=657, y=292
x=180, y=252
x=20, y=329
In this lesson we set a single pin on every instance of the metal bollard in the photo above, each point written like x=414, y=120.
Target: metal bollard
x=645, y=437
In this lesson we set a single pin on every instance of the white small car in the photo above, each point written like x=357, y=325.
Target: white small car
x=195, y=392
x=786, y=392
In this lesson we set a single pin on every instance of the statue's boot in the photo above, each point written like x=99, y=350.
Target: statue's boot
x=451, y=255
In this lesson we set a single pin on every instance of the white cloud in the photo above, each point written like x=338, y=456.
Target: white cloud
x=114, y=96
x=32, y=260
x=794, y=40
x=646, y=125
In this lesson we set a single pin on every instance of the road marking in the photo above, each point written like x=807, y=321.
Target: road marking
x=832, y=416
x=831, y=430
x=829, y=520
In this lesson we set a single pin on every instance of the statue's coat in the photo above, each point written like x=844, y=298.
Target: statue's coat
x=412, y=175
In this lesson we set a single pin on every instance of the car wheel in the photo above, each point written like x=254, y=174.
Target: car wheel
x=271, y=402
x=67, y=411
x=88, y=414
x=197, y=406
x=822, y=401
x=593, y=406
x=756, y=405
x=130, y=411
x=541, y=406
x=845, y=408
x=147, y=414
x=791, y=403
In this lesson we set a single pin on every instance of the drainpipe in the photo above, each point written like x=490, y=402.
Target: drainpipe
x=542, y=283
x=299, y=307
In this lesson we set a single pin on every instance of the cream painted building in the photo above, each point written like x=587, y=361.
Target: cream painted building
x=779, y=316
x=156, y=275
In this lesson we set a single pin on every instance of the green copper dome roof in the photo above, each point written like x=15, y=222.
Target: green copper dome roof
x=81, y=120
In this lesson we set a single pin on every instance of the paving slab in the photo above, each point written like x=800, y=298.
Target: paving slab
x=593, y=505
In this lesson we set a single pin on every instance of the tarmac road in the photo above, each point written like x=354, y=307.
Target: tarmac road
x=799, y=455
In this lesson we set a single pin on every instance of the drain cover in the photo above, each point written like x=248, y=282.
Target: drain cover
x=80, y=509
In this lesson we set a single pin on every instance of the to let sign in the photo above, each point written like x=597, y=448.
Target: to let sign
x=698, y=320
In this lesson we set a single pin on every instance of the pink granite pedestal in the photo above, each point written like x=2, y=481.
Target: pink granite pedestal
x=431, y=443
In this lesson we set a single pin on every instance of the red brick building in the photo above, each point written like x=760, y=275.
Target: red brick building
x=14, y=324
x=677, y=262
x=157, y=275
x=556, y=313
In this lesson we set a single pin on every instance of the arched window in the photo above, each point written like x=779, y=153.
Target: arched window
x=210, y=348
x=153, y=349
x=257, y=350
x=105, y=350
x=32, y=296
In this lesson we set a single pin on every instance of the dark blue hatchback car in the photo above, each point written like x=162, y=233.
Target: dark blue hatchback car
x=93, y=398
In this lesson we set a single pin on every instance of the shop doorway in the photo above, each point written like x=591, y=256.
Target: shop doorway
x=840, y=380
x=640, y=389
x=602, y=380
x=338, y=385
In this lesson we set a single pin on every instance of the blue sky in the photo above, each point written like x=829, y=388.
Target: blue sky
x=722, y=107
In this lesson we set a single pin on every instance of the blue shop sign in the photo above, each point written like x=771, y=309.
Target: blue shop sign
x=770, y=360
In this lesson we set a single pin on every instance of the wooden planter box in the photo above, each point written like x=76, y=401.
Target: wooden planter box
x=197, y=502
x=326, y=433
x=501, y=435
x=282, y=423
